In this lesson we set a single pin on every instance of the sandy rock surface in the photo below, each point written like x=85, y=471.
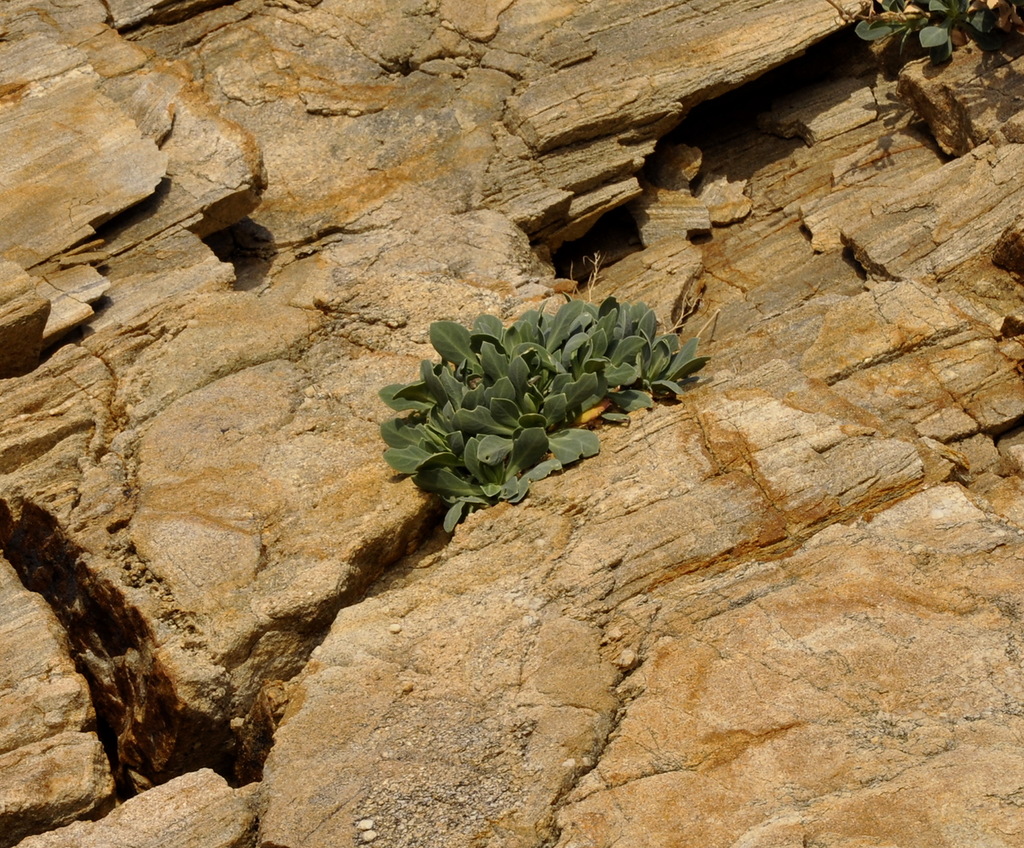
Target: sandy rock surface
x=780, y=612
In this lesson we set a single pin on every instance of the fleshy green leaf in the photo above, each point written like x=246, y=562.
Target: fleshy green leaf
x=451, y=340
x=446, y=483
x=479, y=420
x=874, y=30
x=493, y=449
x=933, y=36
x=631, y=400
x=571, y=445
x=405, y=460
x=401, y=432
x=554, y=409
x=542, y=470
x=456, y=512
x=529, y=448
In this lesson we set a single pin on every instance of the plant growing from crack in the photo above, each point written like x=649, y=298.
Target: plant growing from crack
x=506, y=406
x=940, y=27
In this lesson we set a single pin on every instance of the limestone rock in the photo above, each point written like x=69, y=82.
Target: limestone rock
x=53, y=769
x=822, y=112
x=874, y=327
x=214, y=167
x=128, y=13
x=976, y=95
x=195, y=809
x=1008, y=251
x=52, y=782
x=74, y=159
x=23, y=317
x=526, y=118
x=181, y=264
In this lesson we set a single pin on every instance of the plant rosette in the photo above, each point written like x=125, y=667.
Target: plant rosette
x=944, y=24
x=506, y=406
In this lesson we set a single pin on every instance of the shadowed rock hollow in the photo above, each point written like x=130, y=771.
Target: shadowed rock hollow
x=783, y=611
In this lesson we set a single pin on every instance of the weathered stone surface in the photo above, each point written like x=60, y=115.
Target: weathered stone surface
x=976, y=95
x=23, y=317
x=74, y=160
x=52, y=766
x=214, y=167
x=196, y=484
x=929, y=228
x=664, y=276
x=1008, y=252
x=864, y=180
x=527, y=669
x=665, y=214
x=195, y=809
x=877, y=326
x=52, y=782
x=674, y=166
x=53, y=418
x=540, y=81
x=726, y=200
x=822, y=111
x=791, y=701
x=70, y=292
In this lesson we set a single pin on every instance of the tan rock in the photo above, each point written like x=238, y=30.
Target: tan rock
x=53, y=769
x=822, y=111
x=682, y=487
x=71, y=291
x=214, y=167
x=674, y=166
x=725, y=200
x=195, y=809
x=23, y=317
x=790, y=701
x=81, y=160
x=51, y=782
x=665, y=214
x=664, y=276
x=929, y=228
x=864, y=180
x=889, y=319
x=977, y=95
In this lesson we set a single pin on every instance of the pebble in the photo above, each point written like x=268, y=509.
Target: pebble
x=365, y=824
x=369, y=835
x=395, y=628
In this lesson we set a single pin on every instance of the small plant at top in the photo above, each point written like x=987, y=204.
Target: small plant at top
x=506, y=405
x=942, y=25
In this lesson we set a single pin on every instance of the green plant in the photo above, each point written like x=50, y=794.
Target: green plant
x=945, y=24
x=504, y=406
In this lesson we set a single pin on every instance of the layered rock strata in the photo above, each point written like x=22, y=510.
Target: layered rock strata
x=743, y=608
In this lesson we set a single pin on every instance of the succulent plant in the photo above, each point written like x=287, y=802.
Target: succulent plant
x=503, y=407
x=942, y=24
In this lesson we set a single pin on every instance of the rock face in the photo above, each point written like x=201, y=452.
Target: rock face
x=771, y=613
x=53, y=769
x=195, y=809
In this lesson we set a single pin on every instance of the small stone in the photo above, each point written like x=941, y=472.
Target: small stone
x=626, y=660
x=395, y=628
x=369, y=835
x=365, y=824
